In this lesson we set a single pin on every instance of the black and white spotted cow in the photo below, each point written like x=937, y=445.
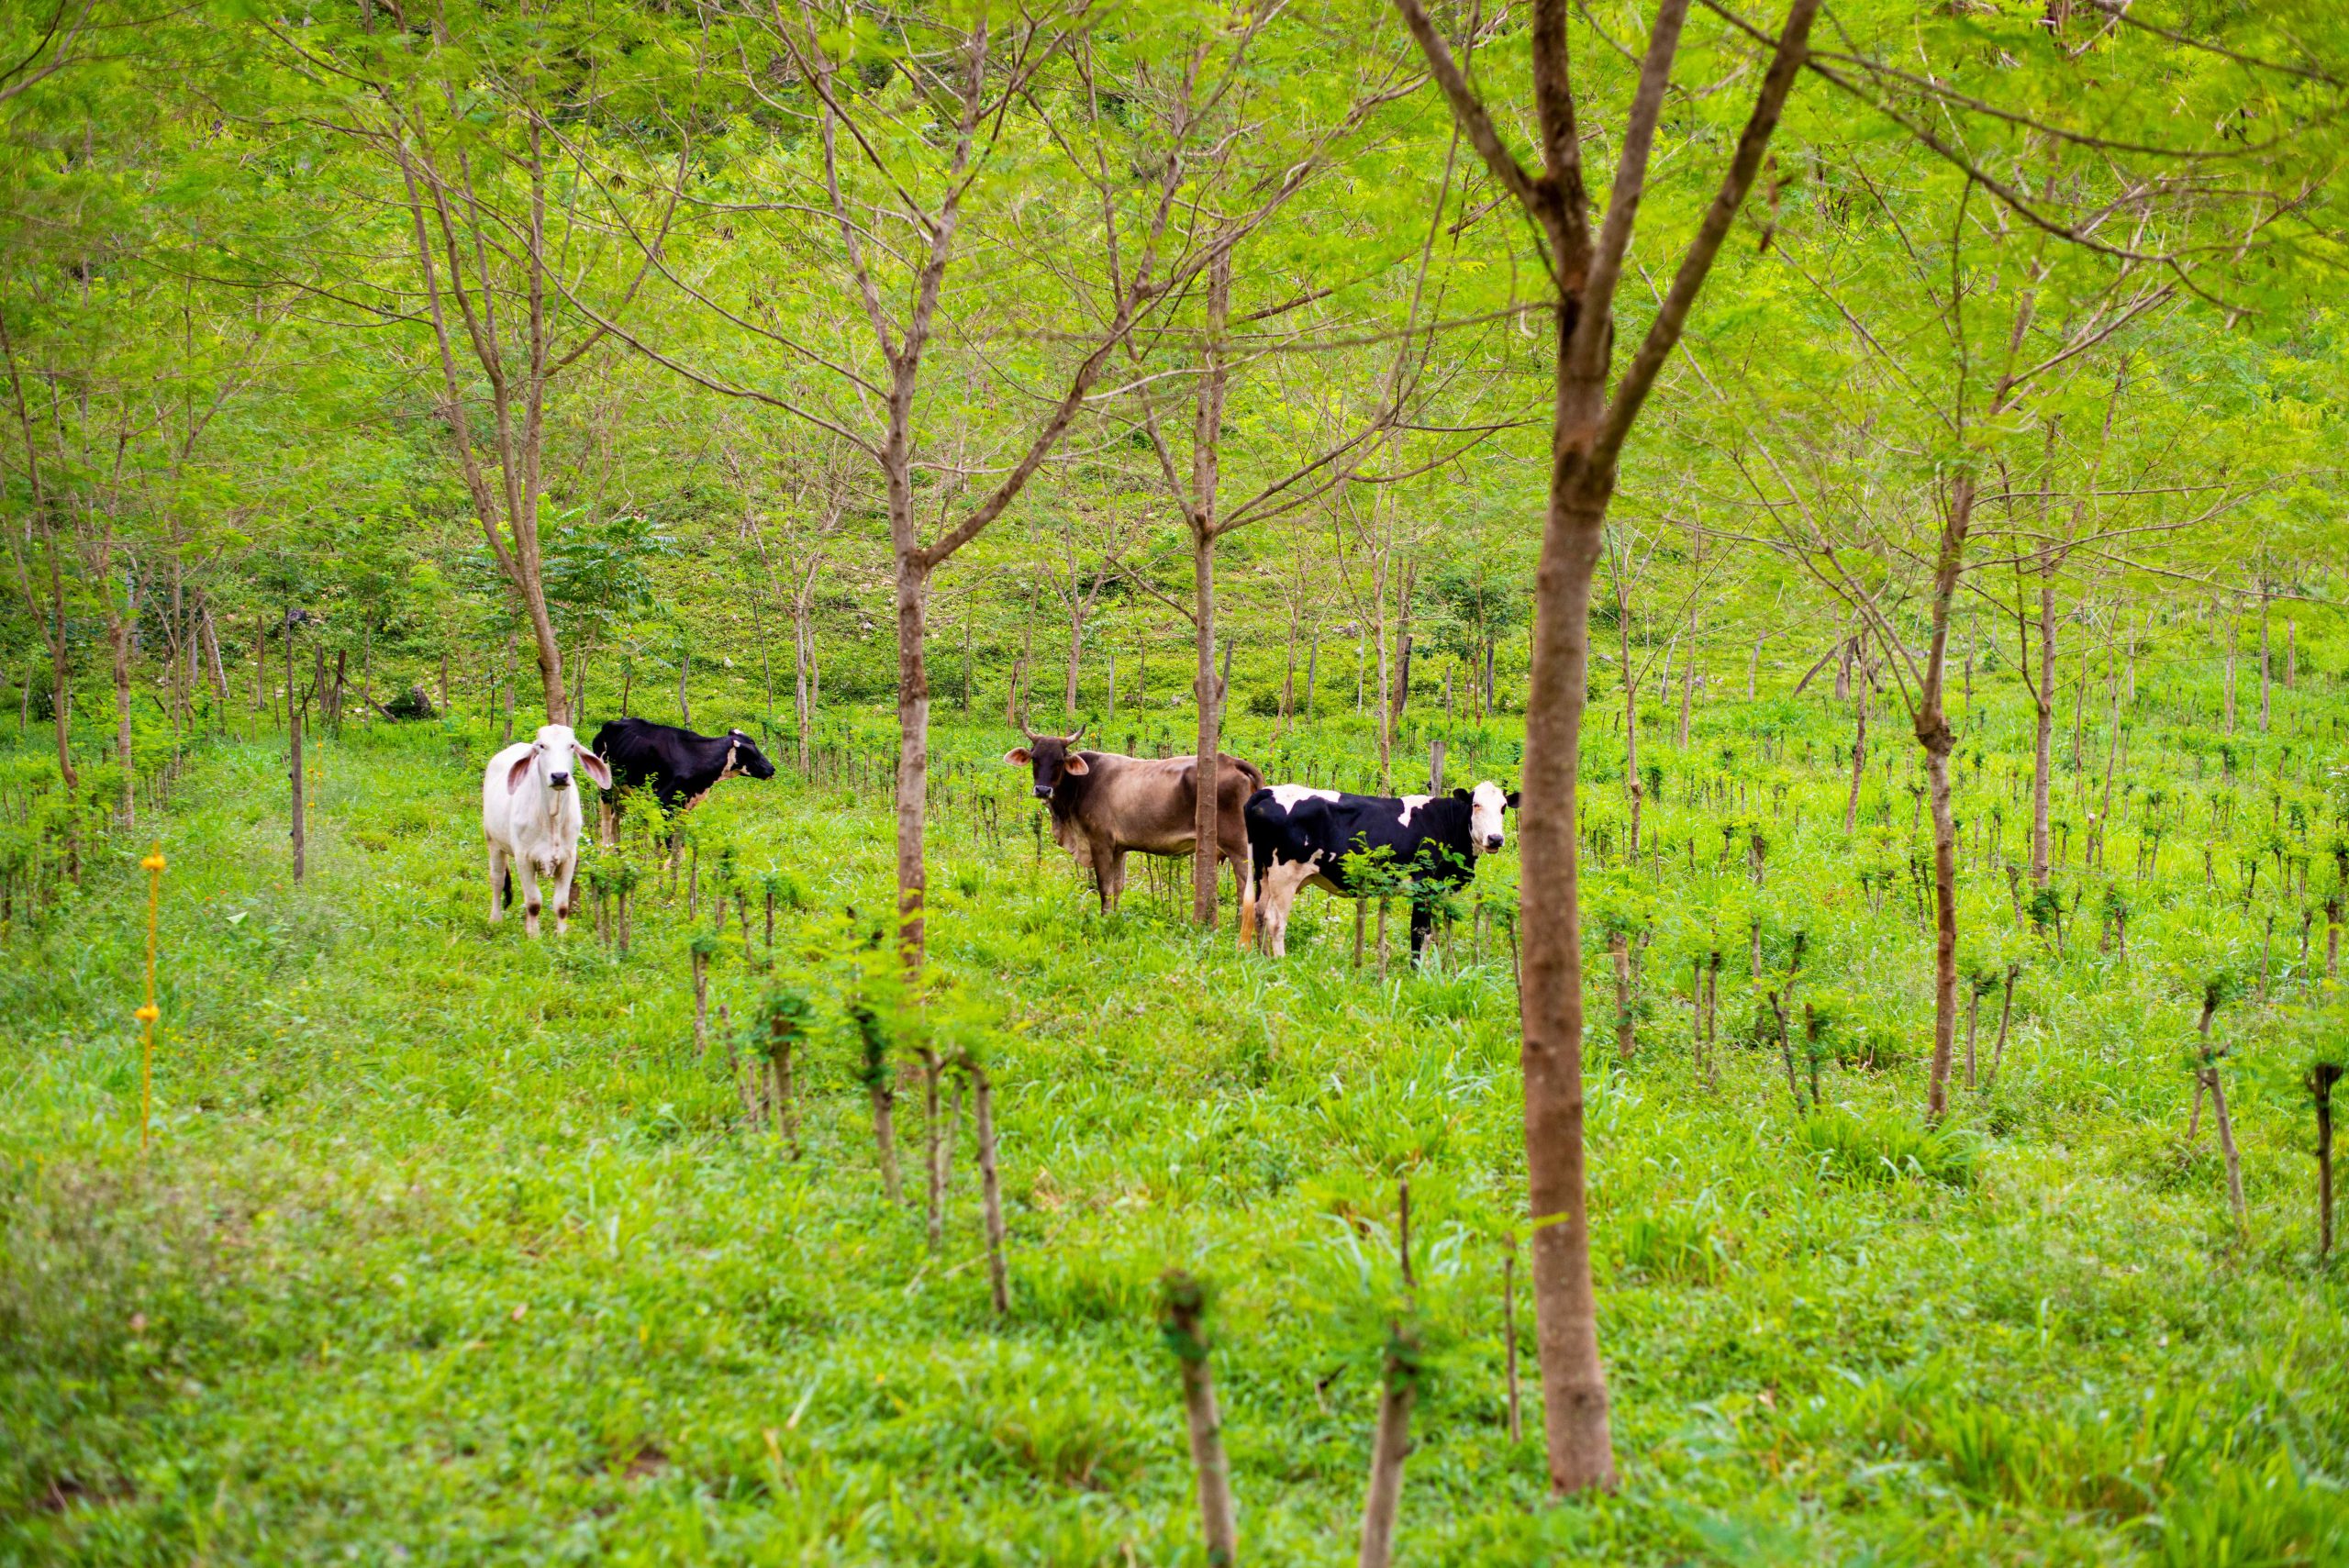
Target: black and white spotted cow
x=678, y=766
x=1299, y=836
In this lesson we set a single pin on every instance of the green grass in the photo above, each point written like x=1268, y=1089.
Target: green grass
x=449, y=1250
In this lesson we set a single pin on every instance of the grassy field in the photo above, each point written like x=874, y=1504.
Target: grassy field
x=449, y=1249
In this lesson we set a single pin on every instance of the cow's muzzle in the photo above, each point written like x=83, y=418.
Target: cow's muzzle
x=559, y=781
x=1492, y=842
x=1043, y=792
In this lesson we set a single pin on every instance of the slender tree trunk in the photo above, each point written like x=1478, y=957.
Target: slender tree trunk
x=1933, y=733
x=1573, y=1381
x=119, y=639
x=294, y=771
x=800, y=670
x=1859, y=751
x=2226, y=690
x=1206, y=446
x=1634, y=790
x=60, y=673
x=913, y=753
x=1182, y=1318
x=2042, y=771
x=1203, y=821
x=990, y=1187
x=2263, y=682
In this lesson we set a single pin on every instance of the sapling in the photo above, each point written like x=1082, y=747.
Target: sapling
x=1391, y=1437
x=2207, y=1080
x=2321, y=1080
x=1182, y=1304
x=1619, y=944
x=873, y=1071
x=1509, y=1331
x=699, y=951
x=782, y=1023
x=990, y=1184
x=935, y=1148
x=1977, y=985
x=1815, y=1025
x=1786, y=1048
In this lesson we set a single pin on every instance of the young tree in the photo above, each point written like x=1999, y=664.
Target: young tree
x=1590, y=422
x=476, y=138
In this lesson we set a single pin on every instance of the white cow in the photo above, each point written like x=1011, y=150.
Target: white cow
x=530, y=814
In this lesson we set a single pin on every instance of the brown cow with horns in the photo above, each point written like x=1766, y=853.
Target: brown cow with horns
x=1105, y=804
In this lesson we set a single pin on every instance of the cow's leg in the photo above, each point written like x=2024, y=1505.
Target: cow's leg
x=1277, y=898
x=1244, y=871
x=1113, y=881
x=1422, y=921
x=529, y=878
x=496, y=882
x=564, y=871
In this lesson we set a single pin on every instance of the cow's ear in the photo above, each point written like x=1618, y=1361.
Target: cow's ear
x=1510, y=800
x=1019, y=757
x=1462, y=795
x=1076, y=763
x=596, y=767
x=519, y=771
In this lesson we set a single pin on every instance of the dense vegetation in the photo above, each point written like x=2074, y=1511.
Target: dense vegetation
x=1877, y=504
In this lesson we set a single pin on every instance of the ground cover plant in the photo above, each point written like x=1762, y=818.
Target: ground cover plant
x=1809, y=536
x=453, y=1244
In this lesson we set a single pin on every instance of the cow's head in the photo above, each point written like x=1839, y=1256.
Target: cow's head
x=1052, y=759
x=743, y=756
x=1486, y=803
x=553, y=752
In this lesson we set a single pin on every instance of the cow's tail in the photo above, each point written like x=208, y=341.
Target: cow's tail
x=1247, y=871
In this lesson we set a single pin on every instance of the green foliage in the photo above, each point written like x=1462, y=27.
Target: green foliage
x=1885, y=1149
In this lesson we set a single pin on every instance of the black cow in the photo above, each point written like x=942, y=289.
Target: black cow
x=678, y=766
x=1298, y=835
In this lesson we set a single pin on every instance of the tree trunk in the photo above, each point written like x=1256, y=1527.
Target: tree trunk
x=913, y=749
x=2262, y=657
x=800, y=670
x=2044, y=755
x=1859, y=751
x=1634, y=791
x=1573, y=1381
x=1203, y=821
x=1618, y=946
x=1207, y=447
x=293, y=752
x=60, y=673
x=1933, y=733
x=990, y=1187
x=1183, y=1311
x=118, y=640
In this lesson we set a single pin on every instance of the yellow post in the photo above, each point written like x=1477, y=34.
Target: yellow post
x=154, y=866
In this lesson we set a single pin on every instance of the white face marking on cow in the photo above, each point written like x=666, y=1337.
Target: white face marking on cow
x=1289, y=796
x=549, y=764
x=730, y=771
x=1486, y=803
x=1412, y=803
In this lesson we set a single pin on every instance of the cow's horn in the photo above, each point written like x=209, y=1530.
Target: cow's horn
x=1074, y=739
